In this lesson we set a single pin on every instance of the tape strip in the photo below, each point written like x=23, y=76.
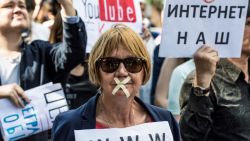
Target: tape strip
x=121, y=85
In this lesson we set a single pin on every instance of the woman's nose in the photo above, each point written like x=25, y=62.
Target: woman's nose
x=122, y=70
x=16, y=9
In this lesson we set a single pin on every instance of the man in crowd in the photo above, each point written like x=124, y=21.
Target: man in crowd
x=219, y=103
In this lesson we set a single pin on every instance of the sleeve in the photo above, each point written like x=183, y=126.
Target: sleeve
x=55, y=130
x=196, y=122
x=71, y=19
x=176, y=81
x=71, y=52
x=175, y=129
x=61, y=131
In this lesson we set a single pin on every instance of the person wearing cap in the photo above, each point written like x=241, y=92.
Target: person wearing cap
x=218, y=108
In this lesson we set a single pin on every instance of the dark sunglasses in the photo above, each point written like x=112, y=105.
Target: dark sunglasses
x=110, y=64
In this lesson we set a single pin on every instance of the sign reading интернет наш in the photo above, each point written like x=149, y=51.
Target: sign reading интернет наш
x=47, y=101
x=190, y=24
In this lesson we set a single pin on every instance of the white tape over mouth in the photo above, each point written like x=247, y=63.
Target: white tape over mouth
x=121, y=85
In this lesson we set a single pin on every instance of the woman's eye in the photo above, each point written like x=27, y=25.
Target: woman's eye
x=22, y=6
x=8, y=6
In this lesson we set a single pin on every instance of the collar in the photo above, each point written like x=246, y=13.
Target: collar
x=88, y=112
x=230, y=69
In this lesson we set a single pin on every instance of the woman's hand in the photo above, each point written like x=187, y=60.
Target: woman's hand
x=145, y=34
x=15, y=93
x=205, y=60
x=38, y=2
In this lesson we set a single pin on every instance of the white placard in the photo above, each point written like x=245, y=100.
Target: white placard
x=127, y=12
x=188, y=24
x=155, y=131
x=47, y=101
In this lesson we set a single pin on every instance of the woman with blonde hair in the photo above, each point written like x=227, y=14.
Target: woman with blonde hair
x=119, y=64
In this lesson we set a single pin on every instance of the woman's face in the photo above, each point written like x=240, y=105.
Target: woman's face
x=107, y=79
x=14, y=15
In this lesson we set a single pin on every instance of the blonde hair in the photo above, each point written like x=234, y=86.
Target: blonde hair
x=109, y=41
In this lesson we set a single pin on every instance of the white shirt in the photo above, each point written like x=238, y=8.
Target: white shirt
x=10, y=70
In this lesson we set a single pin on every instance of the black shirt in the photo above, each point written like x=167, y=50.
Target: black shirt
x=224, y=114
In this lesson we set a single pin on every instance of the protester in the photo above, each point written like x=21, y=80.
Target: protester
x=37, y=30
x=162, y=83
x=24, y=66
x=119, y=64
x=78, y=88
x=177, y=79
x=219, y=103
x=45, y=12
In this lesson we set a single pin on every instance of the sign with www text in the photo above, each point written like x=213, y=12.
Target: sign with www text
x=188, y=24
x=100, y=15
x=47, y=101
x=154, y=131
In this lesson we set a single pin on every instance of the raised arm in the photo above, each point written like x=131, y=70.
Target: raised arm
x=71, y=52
x=196, y=121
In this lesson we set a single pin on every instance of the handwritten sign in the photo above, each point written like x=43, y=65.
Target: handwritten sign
x=155, y=131
x=127, y=12
x=47, y=102
x=190, y=24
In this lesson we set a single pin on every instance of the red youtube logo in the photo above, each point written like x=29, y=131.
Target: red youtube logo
x=117, y=10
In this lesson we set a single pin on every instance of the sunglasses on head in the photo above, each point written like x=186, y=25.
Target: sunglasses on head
x=111, y=64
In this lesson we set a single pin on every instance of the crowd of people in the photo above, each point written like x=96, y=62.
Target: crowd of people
x=122, y=82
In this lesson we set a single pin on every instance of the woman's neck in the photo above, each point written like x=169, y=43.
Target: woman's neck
x=117, y=113
x=10, y=42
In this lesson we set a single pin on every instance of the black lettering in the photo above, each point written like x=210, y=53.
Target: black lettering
x=212, y=10
x=107, y=139
x=171, y=11
x=48, y=100
x=129, y=138
x=201, y=38
x=221, y=11
x=231, y=12
x=203, y=11
x=85, y=8
x=194, y=9
x=157, y=137
x=240, y=12
x=221, y=40
x=183, y=11
x=90, y=12
x=58, y=109
x=182, y=37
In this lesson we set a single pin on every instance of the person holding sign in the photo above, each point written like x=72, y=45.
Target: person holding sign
x=24, y=66
x=218, y=108
x=119, y=63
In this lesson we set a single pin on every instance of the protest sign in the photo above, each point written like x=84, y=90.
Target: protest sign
x=47, y=102
x=100, y=15
x=155, y=131
x=190, y=24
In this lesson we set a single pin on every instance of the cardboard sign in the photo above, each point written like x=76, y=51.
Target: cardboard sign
x=47, y=102
x=100, y=15
x=155, y=131
x=190, y=24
